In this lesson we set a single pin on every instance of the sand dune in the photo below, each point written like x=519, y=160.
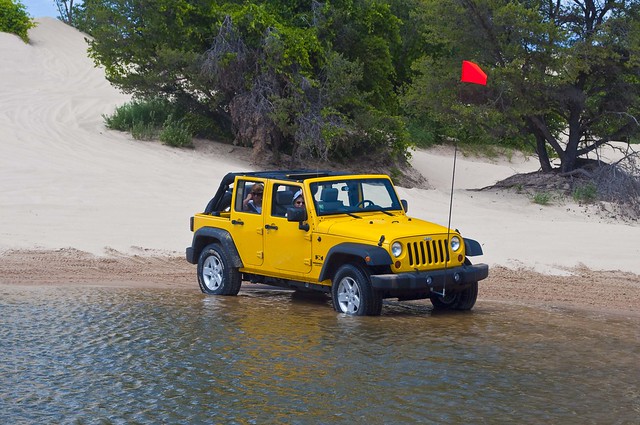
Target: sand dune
x=67, y=181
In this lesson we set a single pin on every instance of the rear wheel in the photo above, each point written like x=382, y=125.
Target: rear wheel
x=216, y=275
x=352, y=293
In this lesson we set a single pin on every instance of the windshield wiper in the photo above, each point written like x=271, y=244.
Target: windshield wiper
x=378, y=210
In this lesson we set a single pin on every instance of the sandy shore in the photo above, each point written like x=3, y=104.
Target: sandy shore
x=611, y=292
x=83, y=205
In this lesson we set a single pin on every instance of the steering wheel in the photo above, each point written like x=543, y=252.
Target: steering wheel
x=365, y=203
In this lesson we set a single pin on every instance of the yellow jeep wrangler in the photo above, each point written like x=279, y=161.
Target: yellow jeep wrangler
x=338, y=233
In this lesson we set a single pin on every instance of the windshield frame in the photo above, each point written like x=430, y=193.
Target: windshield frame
x=353, y=191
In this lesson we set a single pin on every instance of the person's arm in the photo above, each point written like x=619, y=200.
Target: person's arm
x=247, y=200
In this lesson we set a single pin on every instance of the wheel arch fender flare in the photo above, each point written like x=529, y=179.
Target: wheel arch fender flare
x=369, y=254
x=472, y=247
x=208, y=235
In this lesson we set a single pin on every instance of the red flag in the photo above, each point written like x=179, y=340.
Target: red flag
x=471, y=73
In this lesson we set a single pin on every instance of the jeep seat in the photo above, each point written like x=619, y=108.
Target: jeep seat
x=283, y=200
x=329, y=198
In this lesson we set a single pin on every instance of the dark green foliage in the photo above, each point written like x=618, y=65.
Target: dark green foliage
x=367, y=32
x=423, y=131
x=14, y=19
x=206, y=127
x=339, y=79
x=281, y=76
x=562, y=76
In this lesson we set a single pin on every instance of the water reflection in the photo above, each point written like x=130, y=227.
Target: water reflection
x=105, y=355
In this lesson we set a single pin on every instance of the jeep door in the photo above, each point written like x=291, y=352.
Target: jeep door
x=247, y=221
x=287, y=247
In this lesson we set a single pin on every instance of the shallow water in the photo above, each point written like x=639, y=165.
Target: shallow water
x=120, y=356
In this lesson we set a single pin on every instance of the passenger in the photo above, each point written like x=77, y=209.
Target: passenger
x=253, y=201
x=298, y=199
x=298, y=203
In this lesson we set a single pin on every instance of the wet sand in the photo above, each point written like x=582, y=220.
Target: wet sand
x=613, y=292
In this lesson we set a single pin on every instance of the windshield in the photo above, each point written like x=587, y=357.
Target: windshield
x=353, y=196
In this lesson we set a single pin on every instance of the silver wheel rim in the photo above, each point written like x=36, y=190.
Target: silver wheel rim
x=349, y=295
x=212, y=270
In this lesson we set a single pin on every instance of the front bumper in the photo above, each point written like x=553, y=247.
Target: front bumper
x=453, y=278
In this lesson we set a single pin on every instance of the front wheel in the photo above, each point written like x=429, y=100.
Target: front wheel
x=462, y=300
x=352, y=293
x=216, y=275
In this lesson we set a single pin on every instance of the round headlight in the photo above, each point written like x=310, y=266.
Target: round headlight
x=455, y=243
x=396, y=249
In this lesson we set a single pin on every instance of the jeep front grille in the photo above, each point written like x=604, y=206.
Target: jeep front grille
x=428, y=252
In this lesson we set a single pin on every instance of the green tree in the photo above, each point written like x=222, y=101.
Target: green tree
x=278, y=74
x=563, y=75
x=14, y=19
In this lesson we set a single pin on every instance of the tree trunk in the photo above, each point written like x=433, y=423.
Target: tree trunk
x=568, y=159
x=538, y=129
x=541, y=151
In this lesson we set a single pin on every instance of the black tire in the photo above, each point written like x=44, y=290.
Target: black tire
x=216, y=275
x=352, y=293
x=468, y=297
x=463, y=300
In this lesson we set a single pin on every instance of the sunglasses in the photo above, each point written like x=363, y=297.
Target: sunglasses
x=257, y=193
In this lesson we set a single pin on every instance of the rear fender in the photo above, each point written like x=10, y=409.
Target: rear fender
x=208, y=235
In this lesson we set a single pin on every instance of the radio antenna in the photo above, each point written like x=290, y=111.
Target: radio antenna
x=453, y=178
x=446, y=259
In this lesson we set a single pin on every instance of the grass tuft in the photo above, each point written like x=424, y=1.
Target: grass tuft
x=151, y=119
x=587, y=193
x=542, y=198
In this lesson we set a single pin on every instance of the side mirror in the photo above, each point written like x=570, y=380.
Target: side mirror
x=296, y=214
x=405, y=205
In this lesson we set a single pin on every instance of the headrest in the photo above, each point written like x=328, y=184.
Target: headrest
x=329, y=194
x=284, y=197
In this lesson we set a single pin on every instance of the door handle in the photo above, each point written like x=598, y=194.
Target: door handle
x=271, y=227
x=240, y=222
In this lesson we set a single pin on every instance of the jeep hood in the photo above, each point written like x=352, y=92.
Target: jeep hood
x=370, y=228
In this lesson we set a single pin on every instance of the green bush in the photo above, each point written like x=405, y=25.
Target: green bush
x=175, y=133
x=14, y=19
x=149, y=113
x=150, y=119
x=207, y=127
x=144, y=131
x=422, y=134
